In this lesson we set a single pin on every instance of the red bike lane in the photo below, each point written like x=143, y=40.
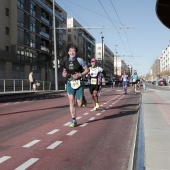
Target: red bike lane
x=102, y=139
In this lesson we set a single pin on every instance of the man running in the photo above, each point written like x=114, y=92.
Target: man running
x=72, y=70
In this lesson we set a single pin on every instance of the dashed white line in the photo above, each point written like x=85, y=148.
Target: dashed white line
x=31, y=143
x=98, y=114
x=55, y=144
x=27, y=164
x=85, y=113
x=92, y=118
x=84, y=124
x=78, y=118
x=4, y=158
x=72, y=132
x=103, y=110
x=66, y=124
x=53, y=131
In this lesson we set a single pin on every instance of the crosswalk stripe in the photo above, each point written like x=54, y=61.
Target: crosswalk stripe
x=31, y=143
x=27, y=164
x=92, y=118
x=4, y=158
x=55, y=144
x=85, y=113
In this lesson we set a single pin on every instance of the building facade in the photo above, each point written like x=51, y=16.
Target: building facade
x=27, y=33
x=105, y=58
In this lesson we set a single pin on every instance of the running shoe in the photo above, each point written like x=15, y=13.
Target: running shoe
x=94, y=109
x=73, y=123
x=97, y=105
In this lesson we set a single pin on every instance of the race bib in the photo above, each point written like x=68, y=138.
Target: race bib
x=75, y=84
x=93, y=81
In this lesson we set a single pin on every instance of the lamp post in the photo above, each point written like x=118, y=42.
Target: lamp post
x=102, y=51
x=55, y=49
x=116, y=58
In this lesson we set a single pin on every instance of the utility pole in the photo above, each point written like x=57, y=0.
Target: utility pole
x=116, y=58
x=102, y=50
x=55, y=49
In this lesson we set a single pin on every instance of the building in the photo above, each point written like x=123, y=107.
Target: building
x=27, y=34
x=165, y=60
x=82, y=39
x=105, y=58
x=120, y=66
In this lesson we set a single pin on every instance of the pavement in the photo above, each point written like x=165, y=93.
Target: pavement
x=156, y=122
x=154, y=130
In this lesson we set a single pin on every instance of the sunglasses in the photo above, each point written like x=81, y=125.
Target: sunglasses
x=92, y=61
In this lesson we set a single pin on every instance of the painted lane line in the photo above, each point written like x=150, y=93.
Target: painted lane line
x=104, y=103
x=53, y=131
x=31, y=143
x=66, y=124
x=103, y=110
x=72, y=132
x=55, y=144
x=92, y=118
x=85, y=113
x=84, y=124
x=78, y=118
x=16, y=102
x=98, y=114
x=27, y=164
x=4, y=158
x=5, y=104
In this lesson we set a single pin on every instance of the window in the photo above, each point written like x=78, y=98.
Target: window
x=7, y=31
x=6, y=11
x=7, y=48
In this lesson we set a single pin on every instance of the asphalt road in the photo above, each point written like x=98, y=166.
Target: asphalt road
x=34, y=132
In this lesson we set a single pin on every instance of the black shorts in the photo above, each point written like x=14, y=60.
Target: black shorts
x=93, y=88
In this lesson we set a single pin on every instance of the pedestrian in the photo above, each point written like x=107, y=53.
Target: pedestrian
x=125, y=81
x=74, y=68
x=32, y=80
x=95, y=82
x=134, y=80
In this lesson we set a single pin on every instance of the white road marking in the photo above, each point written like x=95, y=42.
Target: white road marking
x=84, y=124
x=103, y=110
x=66, y=124
x=98, y=114
x=92, y=118
x=4, y=158
x=16, y=102
x=104, y=103
x=72, y=132
x=31, y=143
x=85, y=113
x=107, y=107
x=27, y=164
x=78, y=118
x=55, y=144
x=5, y=104
x=53, y=131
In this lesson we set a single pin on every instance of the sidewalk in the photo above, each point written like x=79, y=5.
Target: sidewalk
x=156, y=115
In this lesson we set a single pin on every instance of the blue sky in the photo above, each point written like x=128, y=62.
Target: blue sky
x=146, y=38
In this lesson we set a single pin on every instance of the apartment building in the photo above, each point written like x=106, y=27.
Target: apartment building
x=81, y=38
x=105, y=58
x=120, y=66
x=165, y=60
x=27, y=38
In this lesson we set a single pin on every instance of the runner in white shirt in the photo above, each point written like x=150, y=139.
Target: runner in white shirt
x=124, y=81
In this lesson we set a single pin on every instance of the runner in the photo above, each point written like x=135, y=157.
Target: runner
x=124, y=81
x=94, y=82
x=134, y=80
x=72, y=70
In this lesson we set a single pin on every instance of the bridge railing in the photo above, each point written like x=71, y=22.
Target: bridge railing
x=8, y=85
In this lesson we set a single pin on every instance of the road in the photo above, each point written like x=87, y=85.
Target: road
x=34, y=132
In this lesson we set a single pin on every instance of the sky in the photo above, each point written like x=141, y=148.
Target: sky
x=139, y=42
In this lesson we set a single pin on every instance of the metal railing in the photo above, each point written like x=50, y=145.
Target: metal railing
x=8, y=85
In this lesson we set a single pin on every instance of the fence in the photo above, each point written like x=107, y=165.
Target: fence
x=8, y=85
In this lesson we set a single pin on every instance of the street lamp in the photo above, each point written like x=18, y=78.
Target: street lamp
x=102, y=51
x=55, y=49
x=116, y=57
